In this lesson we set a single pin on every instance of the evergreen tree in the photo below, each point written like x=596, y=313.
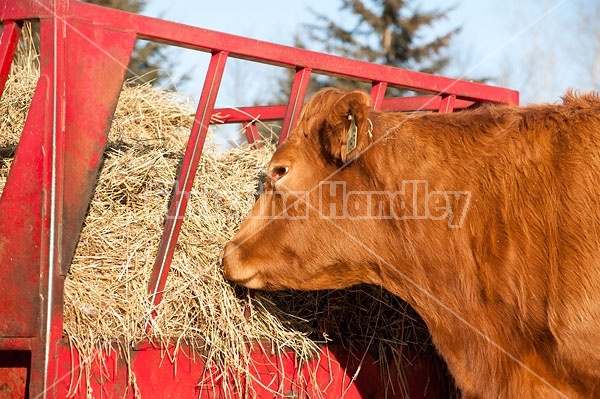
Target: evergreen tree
x=389, y=32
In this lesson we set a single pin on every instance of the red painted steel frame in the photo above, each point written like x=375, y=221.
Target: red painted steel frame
x=84, y=50
x=378, y=94
x=333, y=374
x=8, y=44
x=292, y=112
x=186, y=176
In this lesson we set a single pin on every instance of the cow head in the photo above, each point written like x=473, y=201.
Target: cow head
x=297, y=236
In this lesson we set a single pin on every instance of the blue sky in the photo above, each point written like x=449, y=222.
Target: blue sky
x=497, y=40
x=271, y=20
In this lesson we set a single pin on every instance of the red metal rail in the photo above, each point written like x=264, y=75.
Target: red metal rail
x=84, y=51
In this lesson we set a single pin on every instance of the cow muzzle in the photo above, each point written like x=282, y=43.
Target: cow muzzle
x=237, y=270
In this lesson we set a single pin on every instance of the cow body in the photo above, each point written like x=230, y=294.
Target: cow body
x=486, y=221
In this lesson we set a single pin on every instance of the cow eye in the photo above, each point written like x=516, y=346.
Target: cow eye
x=277, y=172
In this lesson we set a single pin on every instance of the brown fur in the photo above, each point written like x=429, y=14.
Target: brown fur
x=512, y=295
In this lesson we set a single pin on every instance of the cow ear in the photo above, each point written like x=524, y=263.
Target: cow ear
x=348, y=130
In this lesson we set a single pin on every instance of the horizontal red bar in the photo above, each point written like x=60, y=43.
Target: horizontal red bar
x=333, y=373
x=420, y=103
x=15, y=344
x=25, y=9
x=285, y=56
x=247, y=114
x=269, y=113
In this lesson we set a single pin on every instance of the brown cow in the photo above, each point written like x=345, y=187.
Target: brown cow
x=486, y=221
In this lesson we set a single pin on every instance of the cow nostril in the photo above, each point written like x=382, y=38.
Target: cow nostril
x=277, y=172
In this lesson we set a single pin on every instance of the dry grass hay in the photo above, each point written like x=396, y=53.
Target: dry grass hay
x=106, y=300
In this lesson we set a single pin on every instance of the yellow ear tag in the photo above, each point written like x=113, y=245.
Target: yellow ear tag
x=351, y=136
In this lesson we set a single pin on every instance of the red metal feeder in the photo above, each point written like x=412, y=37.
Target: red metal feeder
x=84, y=51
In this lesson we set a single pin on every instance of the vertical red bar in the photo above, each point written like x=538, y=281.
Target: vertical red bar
x=53, y=46
x=8, y=44
x=53, y=36
x=447, y=104
x=377, y=94
x=249, y=133
x=292, y=113
x=252, y=135
x=185, y=180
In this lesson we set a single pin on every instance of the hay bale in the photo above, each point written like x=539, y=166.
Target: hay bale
x=15, y=101
x=106, y=300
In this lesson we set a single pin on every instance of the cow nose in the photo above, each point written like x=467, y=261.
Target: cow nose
x=276, y=172
x=225, y=258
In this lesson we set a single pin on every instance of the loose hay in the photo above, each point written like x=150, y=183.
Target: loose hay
x=106, y=300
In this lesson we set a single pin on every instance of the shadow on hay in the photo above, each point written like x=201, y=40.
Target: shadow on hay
x=362, y=318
